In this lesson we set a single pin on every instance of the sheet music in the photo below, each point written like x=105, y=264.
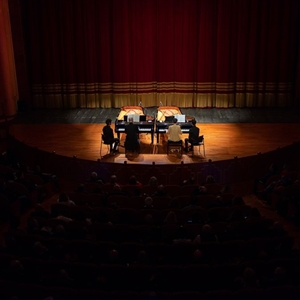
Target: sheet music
x=180, y=118
x=135, y=117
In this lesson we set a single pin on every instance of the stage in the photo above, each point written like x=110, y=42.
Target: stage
x=222, y=141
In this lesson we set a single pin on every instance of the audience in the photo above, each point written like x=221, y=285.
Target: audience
x=113, y=181
x=134, y=181
x=148, y=202
x=200, y=190
x=249, y=279
x=207, y=234
x=182, y=236
x=193, y=204
x=64, y=199
x=191, y=180
x=142, y=258
x=209, y=179
x=194, y=240
x=160, y=192
x=273, y=170
x=170, y=218
x=153, y=181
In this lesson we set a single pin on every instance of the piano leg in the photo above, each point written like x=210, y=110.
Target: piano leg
x=152, y=134
x=157, y=137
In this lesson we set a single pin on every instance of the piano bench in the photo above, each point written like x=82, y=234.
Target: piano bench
x=174, y=146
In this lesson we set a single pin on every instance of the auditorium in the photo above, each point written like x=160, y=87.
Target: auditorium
x=149, y=149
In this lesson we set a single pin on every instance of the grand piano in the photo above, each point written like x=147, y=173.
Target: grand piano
x=145, y=123
x=164, y=119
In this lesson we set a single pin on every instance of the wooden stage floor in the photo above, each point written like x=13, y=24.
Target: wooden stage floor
x=222, y=141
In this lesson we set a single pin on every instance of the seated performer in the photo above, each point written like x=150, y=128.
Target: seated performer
x=174, y=132
x=132, y=141
x=193, y=136
x=108, y=137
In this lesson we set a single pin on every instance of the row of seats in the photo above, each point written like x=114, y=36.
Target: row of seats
x=38, y=292
x=139, y=277
x=151, y=215
x=180, y=251
x=123, y=232
x=171, y=189
x=159, y=202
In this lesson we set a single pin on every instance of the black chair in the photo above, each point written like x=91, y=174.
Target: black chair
x=177, y=146
x=104, y=142
x=198, y=143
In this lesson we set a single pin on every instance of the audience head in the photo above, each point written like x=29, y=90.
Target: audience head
x=116, y=188
x=197, y=240
x=193, y=122
x=197, y=255
x=206, y=228
x=39, y=249
x=202, y=189
x=132, y=180
x=219, y=200
x=64, y=276
x=209, y=179
x=249, y=278
x=153, y=181
x=148, y=202
x=142, y=257
x=113, y=179
x=148, y=218
x=94, y=176
x=130, y=120
x=59, y=230
x=262, y=255
x=161, y=188
x=190, y=180
x=171, y=218
x=16, y=264
x=175, y=120
x=114, y=256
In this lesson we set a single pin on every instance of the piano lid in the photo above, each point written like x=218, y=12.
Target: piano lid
x=130, y=110
x=167, y=111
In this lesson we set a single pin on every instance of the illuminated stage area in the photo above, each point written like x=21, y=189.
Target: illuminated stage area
x=222, y=141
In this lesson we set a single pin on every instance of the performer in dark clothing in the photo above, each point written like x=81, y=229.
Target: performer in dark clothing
x=132, y=136
x=108, y=136
x=193, y=136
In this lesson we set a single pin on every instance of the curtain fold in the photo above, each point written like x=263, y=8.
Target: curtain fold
x=193, y=53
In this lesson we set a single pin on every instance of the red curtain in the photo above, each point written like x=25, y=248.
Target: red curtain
x=192, y=53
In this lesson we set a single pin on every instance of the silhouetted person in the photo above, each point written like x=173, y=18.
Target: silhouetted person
x=132, y=141
x=108, y=137
x=193, y=136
